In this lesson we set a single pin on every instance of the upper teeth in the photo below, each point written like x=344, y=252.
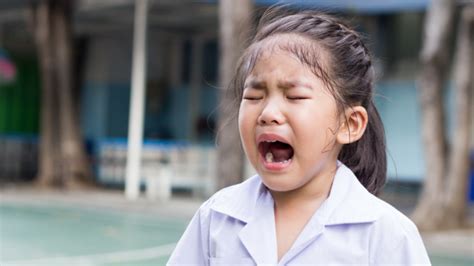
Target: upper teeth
x=270, y=140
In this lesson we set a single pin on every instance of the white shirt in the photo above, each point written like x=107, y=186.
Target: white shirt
x=236, y=226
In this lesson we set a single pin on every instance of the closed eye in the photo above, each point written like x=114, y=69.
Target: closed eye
x=297, y=98
x=252, y=98
x=252, y=95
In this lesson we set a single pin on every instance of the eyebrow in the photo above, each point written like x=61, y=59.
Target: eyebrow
x=256, y=84
x=288, y=84
x=284, y=84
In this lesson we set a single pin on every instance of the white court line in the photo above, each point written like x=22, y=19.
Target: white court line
x=98, y=259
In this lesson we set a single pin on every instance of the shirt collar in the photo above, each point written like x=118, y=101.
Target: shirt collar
x=348, y=202
x=241, y=201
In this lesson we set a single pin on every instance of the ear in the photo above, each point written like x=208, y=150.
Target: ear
x=353, y=124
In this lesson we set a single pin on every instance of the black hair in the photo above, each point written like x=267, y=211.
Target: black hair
x=349, y=75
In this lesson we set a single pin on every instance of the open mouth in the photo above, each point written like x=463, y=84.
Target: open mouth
x=275, y=151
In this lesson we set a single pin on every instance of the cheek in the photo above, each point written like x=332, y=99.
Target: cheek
x=241, y=120
x=247, y=114
x=313, y=129
x=245, y=125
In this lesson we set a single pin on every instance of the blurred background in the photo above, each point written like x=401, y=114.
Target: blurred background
x=115, y=124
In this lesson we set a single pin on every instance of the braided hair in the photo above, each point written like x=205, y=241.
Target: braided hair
x=349, y=75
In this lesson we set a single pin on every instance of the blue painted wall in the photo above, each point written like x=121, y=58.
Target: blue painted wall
x=398, y=104
x=94, y=103
x=106, y=92
x=179, y=109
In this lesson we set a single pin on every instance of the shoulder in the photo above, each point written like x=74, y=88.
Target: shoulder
x=384, y=227
x=354, y=204
x=395, y=234
x=387, y=221
x=393, y=222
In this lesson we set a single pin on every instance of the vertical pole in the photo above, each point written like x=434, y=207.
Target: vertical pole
x=137, y=102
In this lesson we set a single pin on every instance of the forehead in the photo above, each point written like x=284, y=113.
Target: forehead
x=281, y=65
x=309, y=53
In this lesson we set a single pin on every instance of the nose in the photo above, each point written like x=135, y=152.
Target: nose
x=271, y=114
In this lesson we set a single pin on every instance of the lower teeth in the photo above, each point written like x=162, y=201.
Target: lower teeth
x=269, y=157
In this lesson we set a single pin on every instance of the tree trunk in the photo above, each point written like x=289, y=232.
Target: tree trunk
x=434, y=61
x=76, y=169
x=458, y=171
x=235, y=23
x=48, y=172
x=62, y=158
x=443, y=201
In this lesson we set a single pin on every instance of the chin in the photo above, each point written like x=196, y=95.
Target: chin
x=278, y=183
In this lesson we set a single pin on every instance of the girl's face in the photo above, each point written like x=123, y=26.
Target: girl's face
x=288, y=122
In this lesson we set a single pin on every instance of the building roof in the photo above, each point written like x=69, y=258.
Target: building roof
x=358, y=6
x=188, y=15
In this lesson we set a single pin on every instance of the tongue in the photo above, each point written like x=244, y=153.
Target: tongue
x=281, y=151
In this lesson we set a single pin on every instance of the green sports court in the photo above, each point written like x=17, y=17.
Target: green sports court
x=54, y=231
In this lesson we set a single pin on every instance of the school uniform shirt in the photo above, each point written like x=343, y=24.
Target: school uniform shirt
x=236, y=226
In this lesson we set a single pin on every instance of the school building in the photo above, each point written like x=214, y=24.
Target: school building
x=182, y=82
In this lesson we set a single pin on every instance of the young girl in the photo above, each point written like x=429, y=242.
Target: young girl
x=310, y=128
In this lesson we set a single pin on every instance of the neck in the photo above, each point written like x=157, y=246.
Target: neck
x=309, y=195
